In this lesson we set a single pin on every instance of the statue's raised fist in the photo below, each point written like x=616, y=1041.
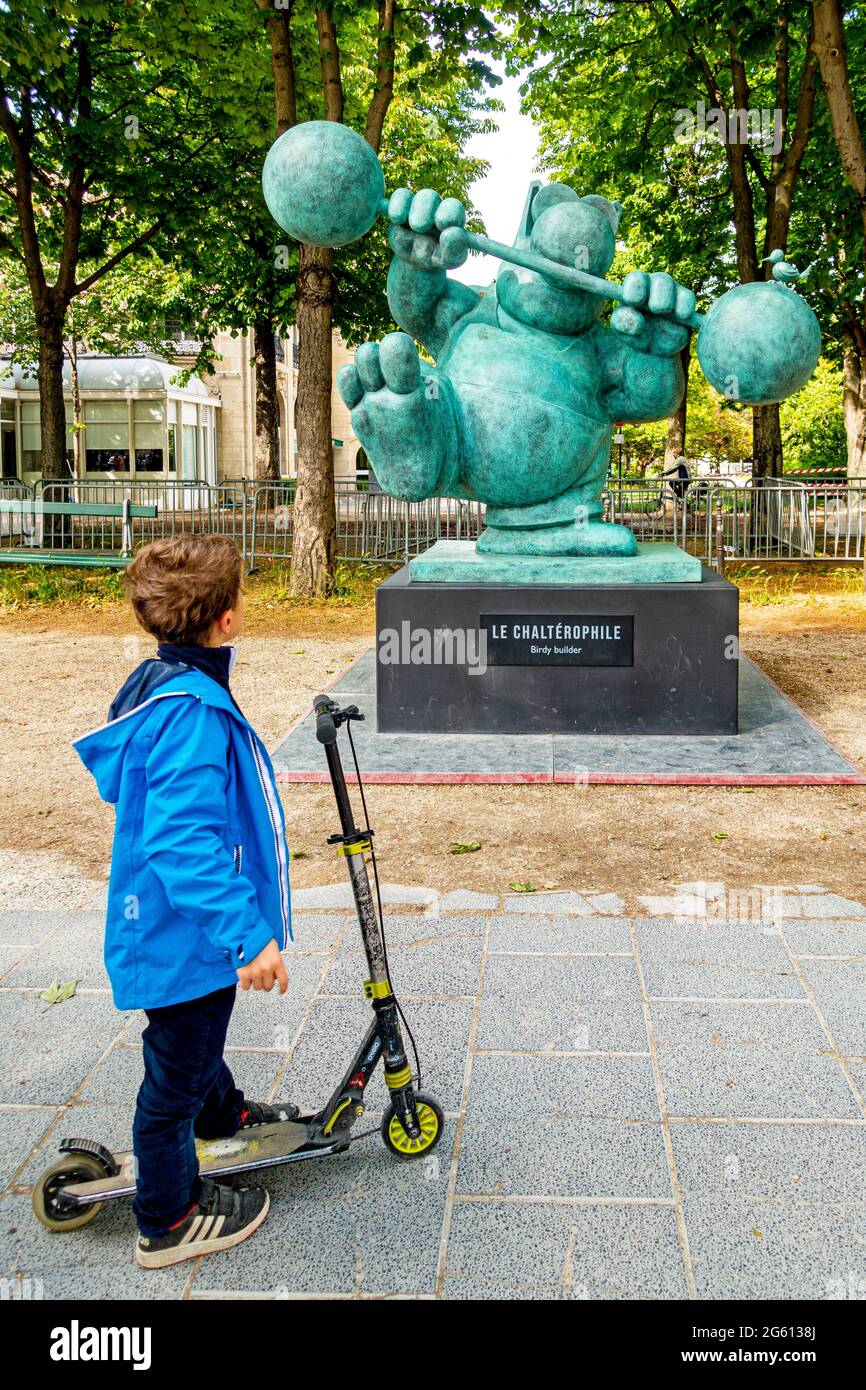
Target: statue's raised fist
x=426, y=230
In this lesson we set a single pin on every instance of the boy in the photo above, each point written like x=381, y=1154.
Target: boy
x=198, y=897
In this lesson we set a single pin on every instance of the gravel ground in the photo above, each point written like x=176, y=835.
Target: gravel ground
x=55, y=684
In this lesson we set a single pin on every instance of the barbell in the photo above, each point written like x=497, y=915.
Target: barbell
x=323, y=184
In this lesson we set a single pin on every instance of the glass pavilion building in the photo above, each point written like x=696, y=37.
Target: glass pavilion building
x=138, y=423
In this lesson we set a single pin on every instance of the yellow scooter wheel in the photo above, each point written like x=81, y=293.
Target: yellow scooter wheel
x=49, y=1206
x=431, y=1120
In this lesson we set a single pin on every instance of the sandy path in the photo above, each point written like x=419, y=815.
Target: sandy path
x=55, y=685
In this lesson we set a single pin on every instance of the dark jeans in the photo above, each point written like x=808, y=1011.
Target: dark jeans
x=187, y=1091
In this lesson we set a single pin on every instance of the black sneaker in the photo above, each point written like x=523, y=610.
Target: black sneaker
x=255, y=1112
x=223, y=1217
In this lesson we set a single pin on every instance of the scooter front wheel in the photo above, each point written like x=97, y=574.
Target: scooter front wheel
x=431, y=1121
x=54, y=1210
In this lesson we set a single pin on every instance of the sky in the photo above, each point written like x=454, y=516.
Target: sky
x=511, y=153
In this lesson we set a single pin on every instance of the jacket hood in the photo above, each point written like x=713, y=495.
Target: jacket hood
x=140, y=685
x=103, y=750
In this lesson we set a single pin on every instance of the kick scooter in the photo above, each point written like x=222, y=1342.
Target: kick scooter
x=74, y=1189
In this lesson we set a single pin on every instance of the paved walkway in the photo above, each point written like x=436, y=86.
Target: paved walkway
x=666, y=1106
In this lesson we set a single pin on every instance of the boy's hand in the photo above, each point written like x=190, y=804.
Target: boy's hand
x=265, y=971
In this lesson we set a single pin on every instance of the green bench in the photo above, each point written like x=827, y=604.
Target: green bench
x=125, y=512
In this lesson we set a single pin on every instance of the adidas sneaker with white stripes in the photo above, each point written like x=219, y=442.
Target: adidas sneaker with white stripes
x=224, y=1216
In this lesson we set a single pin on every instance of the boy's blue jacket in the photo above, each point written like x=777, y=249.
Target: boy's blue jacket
x=200, y=869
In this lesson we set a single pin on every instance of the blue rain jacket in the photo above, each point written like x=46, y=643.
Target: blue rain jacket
x=200, y=868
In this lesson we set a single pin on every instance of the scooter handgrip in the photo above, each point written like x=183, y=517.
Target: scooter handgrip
x=326, y=729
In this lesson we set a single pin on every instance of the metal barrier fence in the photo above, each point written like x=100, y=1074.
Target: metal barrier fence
x=180, y=507
x=775, y=520
x=371, y=526
x=766, y=521
x=19, y=524
x=652, y=511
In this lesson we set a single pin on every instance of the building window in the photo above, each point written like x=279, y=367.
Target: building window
x=106, y=436
x=8, y=443
x=31, y=437
x=189, y=462
x=149, y=424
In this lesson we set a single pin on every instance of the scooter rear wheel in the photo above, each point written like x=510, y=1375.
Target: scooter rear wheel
x=431, y=1120
x=50, y=1207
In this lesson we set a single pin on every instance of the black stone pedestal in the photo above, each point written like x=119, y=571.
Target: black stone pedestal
x=541, y=659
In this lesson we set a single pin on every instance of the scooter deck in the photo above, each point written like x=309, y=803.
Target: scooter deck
x=264, y=1146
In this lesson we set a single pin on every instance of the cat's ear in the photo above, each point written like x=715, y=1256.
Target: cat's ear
x=527, y=220
x=608, y=207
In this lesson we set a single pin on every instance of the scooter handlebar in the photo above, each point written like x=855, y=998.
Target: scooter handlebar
x=326, y=729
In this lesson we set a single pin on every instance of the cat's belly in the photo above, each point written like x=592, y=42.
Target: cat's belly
x=533, y=420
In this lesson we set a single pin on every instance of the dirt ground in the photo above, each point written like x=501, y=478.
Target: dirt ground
x=59, y=669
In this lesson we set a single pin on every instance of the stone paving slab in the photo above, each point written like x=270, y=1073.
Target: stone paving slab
x=582, y=905
x=551, y=1144
x=21, y=928
x=815, y=904
x=463, y=900
x=561, y=1004
x=47, y=1051
x=335, y=1027
x=731, y=961
x=271, y=1020
x=79, y=1265
x=420, y=968
x=558, y=936
x=52, y=960
x=584, y=1252
x=604, y=1139
x=826, y=938
x=801, y=1252
x=109, y=1122
x=820, y=1162
x=601, y=1088
x=20, y=1131
x=753, y=1061
x=839, y=988
x=375, y=1232
x=11, y=957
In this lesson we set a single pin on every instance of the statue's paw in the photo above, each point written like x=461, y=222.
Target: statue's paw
x=587, y=538
x=427, y=231
x=607, y=538
x=656, y=313
x=394, y=363
x=404, y=417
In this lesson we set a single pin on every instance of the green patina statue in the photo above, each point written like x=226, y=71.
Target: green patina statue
x=517, y=407
x=517, y=410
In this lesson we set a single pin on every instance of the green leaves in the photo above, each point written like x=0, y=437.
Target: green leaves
x=465, y=846
x=58, y=994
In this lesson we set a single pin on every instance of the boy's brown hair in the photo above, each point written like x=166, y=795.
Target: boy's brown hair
x=179, y=586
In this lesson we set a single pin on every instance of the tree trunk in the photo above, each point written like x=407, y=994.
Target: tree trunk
x=766, y=441
x=52, y=411
x=314, y=541
x=855, y=411
x=830, y=47
x=77, y=423
x=676, y=440
x=267, y=455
